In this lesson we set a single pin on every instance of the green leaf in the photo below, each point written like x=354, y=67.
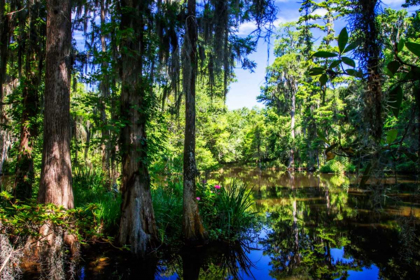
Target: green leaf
x=395, y=99
x=393, y=66
x=354, y=73
x=324, y=54
x=366, y=174
x=316, y=71
x=334, y=63
x=388, y=72
x=401, y=45
x=343, y=39
x=351, y=47
x=323, y=79
x=330, y=148
x=413, y=47
x=321, y=135
x=391, y=136
x=349, y=61
x=412, y=157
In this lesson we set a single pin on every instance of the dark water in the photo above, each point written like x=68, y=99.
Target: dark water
x=312, y=227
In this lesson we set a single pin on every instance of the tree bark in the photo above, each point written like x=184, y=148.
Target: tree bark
x=192, y=225
x=56, y=181
x=371, y=52
x=105, y=145
x=25, y=165
x=137, y=225
x=4, y=44
x=292, y=124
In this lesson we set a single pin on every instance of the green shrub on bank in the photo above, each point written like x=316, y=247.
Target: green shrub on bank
x=22, y=220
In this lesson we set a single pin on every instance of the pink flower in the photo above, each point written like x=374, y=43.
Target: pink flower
x=217, y=187
x=197, y=198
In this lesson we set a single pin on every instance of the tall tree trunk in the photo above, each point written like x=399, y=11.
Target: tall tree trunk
x=105, y=146
x=292, y=126
x=370, y=52
x=4, y=44
x=192, y=225
x=56, y=181
x=25, y=165
x=137, y=226
x=56, y=178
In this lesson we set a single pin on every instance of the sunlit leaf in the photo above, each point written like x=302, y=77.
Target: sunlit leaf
x=413, y=47
x=395, y=99
x=393, y=66
x=330, y=156
x=354, y=73
x=349, y=61
x=366, y=175
x=391, y=135
x=334, y=63
x=321, y=135
x=324, y=54
x=316, y=71
x=323, y=80
x=351, y=47
x=401, y=45
x=343, y=39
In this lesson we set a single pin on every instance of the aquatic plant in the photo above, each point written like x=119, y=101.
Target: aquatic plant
x=227, y=211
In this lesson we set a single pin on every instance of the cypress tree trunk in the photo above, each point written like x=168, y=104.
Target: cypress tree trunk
x=56, y=181
x=137, y=225
x=4, y=44
x=25, y=165
x=293, y=89
x=56, y=178
x=105, y=95
x=192, y=226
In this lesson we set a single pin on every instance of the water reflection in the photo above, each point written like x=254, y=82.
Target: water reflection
x=323, y=227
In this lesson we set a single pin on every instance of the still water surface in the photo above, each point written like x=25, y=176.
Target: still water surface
x=313, y=226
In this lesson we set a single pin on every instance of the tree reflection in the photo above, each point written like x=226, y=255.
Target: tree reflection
x=312, y=221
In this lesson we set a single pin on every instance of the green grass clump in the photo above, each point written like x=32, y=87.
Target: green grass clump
x=227, y=211
x=168, y=207
x=90, y=189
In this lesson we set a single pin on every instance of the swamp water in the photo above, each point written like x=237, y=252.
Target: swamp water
x=311, y=227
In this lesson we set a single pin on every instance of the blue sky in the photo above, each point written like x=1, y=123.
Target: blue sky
x=244, y=92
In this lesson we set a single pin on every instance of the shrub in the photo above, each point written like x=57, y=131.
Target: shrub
x=333, y=166
x=226, y=212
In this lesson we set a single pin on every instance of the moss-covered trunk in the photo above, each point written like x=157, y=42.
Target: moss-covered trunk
x=137, y=225
x=34, y=55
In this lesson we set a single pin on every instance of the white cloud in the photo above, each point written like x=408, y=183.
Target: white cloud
x=247, y=27
x=320, y=12
x=393, y=2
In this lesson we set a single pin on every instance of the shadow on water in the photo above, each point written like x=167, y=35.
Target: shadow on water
x=213, y=261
